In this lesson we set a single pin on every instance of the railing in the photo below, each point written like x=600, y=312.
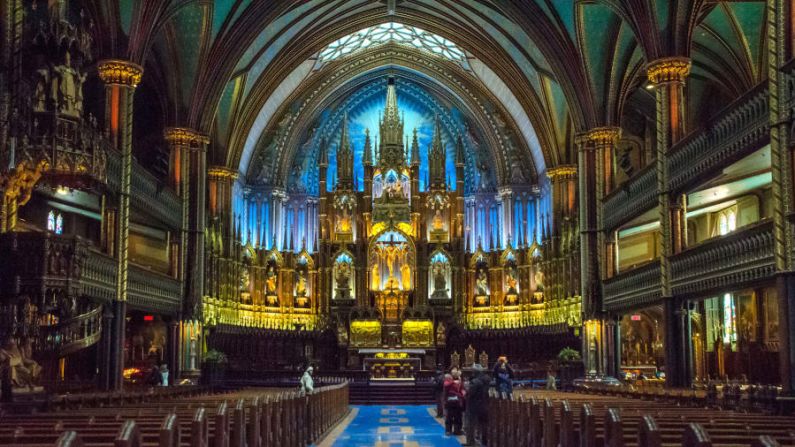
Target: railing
x=147, y=193
x=732, y=260
x=99, y=276
x=71, y=335
x=634, y=288
x=153, y=290
x=632, y=198
x=742, y=127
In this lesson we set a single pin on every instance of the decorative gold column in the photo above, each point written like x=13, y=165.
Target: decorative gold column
x=179, y=140
x=667, y=76
x=120, y=78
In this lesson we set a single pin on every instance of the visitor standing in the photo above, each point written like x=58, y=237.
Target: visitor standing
x=163, y=375
x=551, y=381
x=307, y=383
x=503, y=376
x=477, y=405
x=438, y=390
x=454, y=403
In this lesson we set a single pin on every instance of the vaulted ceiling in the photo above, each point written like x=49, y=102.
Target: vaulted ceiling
x=552, y=68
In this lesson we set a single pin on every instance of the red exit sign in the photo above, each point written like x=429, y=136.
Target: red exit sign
x=635, y=317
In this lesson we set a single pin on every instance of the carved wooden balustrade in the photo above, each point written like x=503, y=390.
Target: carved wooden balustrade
x=741, y=128
x=634, y=288
x=45, y=266
x=41, y=265
x=153, y=290
x=147, y=193
x=71, y=335
x=732, y=260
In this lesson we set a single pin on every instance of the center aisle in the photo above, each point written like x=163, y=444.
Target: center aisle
x=393, y=426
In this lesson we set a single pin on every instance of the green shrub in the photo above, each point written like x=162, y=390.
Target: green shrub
x=568, y=355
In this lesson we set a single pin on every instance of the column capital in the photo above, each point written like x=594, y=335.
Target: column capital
x=183, y=136
x=562, y=172
x=121, y=72
x=668, y=69
x=221, y=173
x=603, y=135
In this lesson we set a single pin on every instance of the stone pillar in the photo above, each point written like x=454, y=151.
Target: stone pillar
x=104, y=352
x=778, y=48
x=120, y=79
x=668, y=76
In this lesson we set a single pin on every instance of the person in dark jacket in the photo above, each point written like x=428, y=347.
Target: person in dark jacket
x=503, y=376
x=454, y=403
x=438, y=391
x=477, y=405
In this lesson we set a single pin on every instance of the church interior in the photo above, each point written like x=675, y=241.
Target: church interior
x=203, y=202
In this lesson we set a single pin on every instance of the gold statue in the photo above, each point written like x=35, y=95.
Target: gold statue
x=405, y=276
x=390, y=253
x=438, y=224
x=300, y=287
x=375, y=278
x=270, y=281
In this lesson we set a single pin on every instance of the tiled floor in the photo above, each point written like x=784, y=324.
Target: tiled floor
x=394, y=426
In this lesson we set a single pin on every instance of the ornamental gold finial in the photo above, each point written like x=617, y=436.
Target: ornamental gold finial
x=117, y=71
x=182, y=136
x=669, y=69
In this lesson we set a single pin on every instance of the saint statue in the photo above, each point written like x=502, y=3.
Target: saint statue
x=469, y=356
x=405, y=276
x=482, y=283
x=511, y=281
x=375, y=278
x=300, y=286
x=270, y=281
x=343, y=278
x=439, y=281
x=441, y=333
x=67, y=87
x=438, y=223
x=24, y=370
x=390, y=253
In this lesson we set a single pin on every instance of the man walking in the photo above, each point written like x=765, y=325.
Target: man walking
x=477, y=405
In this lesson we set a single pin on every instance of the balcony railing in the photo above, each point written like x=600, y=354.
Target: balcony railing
x=634, y=288
x=153, y=291
x=743, y=257
x=147, y=193
x=741, y=128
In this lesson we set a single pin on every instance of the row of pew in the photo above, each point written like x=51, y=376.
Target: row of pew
x=729, y=396
x=552, y=419
x=246, y=418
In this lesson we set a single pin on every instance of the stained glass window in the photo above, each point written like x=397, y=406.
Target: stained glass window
x=729, y=320
x=393, y=32
x=55, y=222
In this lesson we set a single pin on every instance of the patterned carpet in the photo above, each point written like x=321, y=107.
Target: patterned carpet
x=394, y=426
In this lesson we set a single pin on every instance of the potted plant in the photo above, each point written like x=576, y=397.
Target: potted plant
x=214, y=367
x=570, y=366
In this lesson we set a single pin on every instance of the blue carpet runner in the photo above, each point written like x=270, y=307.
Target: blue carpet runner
x=394, y=426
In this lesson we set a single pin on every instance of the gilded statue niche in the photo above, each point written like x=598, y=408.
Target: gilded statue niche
x=344, y=277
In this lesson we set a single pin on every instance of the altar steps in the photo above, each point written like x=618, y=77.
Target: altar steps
x=385, y=393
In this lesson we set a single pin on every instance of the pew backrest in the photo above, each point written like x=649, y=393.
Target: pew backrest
x=169, y=431
x=69, y=439
x=199, y=429
x=648, y=432
x=129, y=435
x=695, y=436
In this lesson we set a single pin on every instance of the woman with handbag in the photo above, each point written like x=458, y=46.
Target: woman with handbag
x=454, y=396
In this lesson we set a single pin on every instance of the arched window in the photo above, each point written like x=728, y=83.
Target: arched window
x=55, y=222
x=397, y=33
x=726, y=221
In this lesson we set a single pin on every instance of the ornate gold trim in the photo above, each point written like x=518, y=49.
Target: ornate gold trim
x=183, y=136
x=603, y=135
x=220, y=173
x=562, y=172
x=668, y=69
x=117, y=71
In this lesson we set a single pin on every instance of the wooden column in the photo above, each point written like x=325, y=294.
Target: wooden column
x=120, y=79
x=667, y=76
